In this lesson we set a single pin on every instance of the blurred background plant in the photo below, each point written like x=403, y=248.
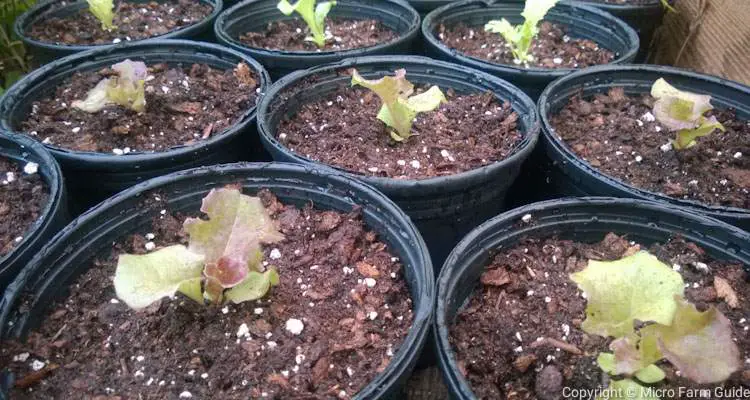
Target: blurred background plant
x=14, y=62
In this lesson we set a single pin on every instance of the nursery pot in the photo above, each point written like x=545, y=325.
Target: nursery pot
x=580, y=20
x=54, y=214
x=48, y=276
x=95, y=176
x=562, y=173
x=254, y=15
x=443, y=208
x=584, y=220
x=44, y=52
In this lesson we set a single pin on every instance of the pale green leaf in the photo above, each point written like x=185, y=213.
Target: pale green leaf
x=126, y=89
x=103, y=10
x=427, y=101
x=504, y=28
x=650, y=374
x=627, y=389
x=677, y=109
x=143, y=279
x=520, y=37
x=637, y=287
x=686, y=137
x=535, y=10
x=96, y=99
x=255, y=286
x=314, y=16
x=606, y=362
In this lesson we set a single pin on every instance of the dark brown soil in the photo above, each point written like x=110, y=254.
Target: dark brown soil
x=552, y=48
x=467, y=132
x=94, y=345
x=133, y=21
x=345, y=34
x=22, y=199
x=184, y=105
x=527, y=294
x=615, y=134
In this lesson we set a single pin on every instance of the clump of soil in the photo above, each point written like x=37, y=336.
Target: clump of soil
x=466, y=132
x=133, y=21
x=22, y=199
x=184, y=105
x=337, y=277
x=552, y=47
x=345, y=34
x=617, y=134
x=526, y=294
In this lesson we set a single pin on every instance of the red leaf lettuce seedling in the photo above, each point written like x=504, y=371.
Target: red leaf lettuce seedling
x=126, y=89
x=399, y=106
x=683, y=112
x=519, y=37
x=314, y=16
x=640, y=288
x=221, y=262
x=103, y=10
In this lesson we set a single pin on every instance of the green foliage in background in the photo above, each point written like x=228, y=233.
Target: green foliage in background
x=14, y=61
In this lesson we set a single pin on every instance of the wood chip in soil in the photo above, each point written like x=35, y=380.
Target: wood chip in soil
x=342, y=34
x=94, y=345
x=184, y=105
x=133, y=21
x=495, y=335
x=552, y=47
x=618, y=135
x=341, y=129
x=23, y=197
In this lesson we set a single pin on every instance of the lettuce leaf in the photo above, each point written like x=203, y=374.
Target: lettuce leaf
x=103, y=10
x=313, y=15
x=520, y=37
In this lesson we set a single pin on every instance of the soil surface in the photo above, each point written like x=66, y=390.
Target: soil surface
x=617, y=134
x=342, y=34
x=184, y=105
x=22, y=200
x=552, y=48
x=526, y=294
x=133, y=21
x=467, y=132
x=92, y=345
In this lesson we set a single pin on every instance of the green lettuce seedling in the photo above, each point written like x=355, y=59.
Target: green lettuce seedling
x=126, y=89
x=103, y=10
x=683, y=112
x=519, y=37
x=313, y=15
x=222, y=261
x=399, y=107
x=640, y=288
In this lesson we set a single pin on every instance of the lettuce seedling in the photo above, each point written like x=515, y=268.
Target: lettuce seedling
x=313, y=15
x=222, y=261
x=126, y=89
x=399, y=107
x=103, y=10
x=683, y=112
x=519, y=37
x=641, y=289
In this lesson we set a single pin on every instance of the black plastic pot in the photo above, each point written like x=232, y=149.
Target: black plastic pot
x=561, y=173
x=54, y=214
x=582, y=22
x=66, y=257
x=44, y=52
x=443, y=208
x=94, y=176
x=644, y=18
x=254, y=15
x=585, y=219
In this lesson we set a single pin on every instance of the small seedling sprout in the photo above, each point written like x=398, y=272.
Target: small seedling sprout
x=313, y=15
x=126, y=89
x=103, y=10
x=520, y=37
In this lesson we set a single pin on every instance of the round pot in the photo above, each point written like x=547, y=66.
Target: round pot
x=443, y=208
x=65, y=258
x=581, y=21
x=44, y=52
x=563, y=173
x=54, y=215
x=584, y=219
x=254, y=15
x=94, y=176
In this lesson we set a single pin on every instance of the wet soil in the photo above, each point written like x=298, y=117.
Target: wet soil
x=91, y=346
x=467, y=132
x=184, y=105
x=133, y=21
x=617, y=134
x=22, y=199
x=552, y=48
x=345, y=34
x=526, y=294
